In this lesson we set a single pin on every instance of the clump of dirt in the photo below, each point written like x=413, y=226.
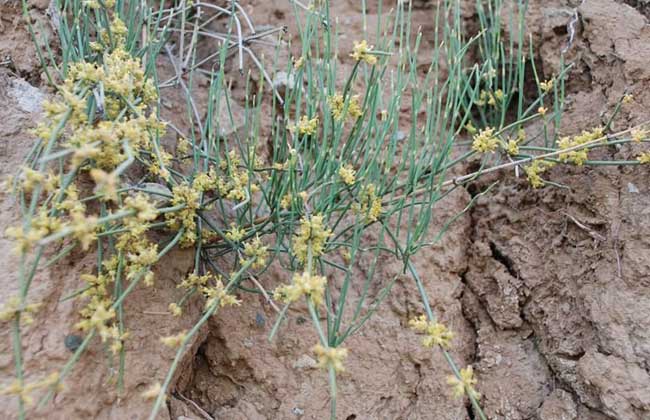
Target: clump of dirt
x=547, y=290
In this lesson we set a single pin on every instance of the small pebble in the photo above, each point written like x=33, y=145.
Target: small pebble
x=298, y=411
x=72, y=342
x=260, y=321
x=632, y=188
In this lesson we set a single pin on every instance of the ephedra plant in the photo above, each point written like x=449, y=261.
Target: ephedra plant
x=338, y=162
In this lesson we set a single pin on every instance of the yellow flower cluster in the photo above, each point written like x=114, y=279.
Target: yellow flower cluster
x=256, y=252
x=330, y=356
x=347, y=174
x=644, y=157
x=435, y=333
x=194, y=280
x=313, y=234
x=141, y=258
x=23, y=391
x=119, y=128
x=638, y=135
x=175, y=309
x=144, y=209
x=299, y=63
x=234, y=185
x=305, y=126
x=465, y=384
x=485, y=141
x=535, y=169
x=628, y=98
x=174, y=341
x=140, y=253
x=13, y=308
x=336, y=103
x=579, y=156
x=313, y=287
x=369, y=204
x=99, y=315
x=25, y=239
x=235, y=233
x=512, y=146
x=218, y=293
x=546, y=86
x=363, y=52
x=152, y=392
x=31, y=179
x=204, y=181
x=84, y=229
x=489, y=98
x=212, y=293
x=189, y=197
x=105, y=184
x=127, y=93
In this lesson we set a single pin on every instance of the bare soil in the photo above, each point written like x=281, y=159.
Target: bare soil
x=547, y=291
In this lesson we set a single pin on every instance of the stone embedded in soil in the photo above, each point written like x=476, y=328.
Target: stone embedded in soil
x=558, y=406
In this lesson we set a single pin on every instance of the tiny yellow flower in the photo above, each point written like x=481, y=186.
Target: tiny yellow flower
x=254, y=250
x=436, y=334
x=578, y=156
x=84, y=228
x=285, y=203
x=144, y=209
x=194, y=280
x=347, y=174
x=546, y=86
x=235, y=234
x=153, y=392
x=512, y=147
x=336, y=103
x=464, y=384
x=305, y=126
x=534, y=170
x=96, y=46
x=644, y=157
x=31, y=179
x=485, y=141
x=311, y=233
x=369, y=204
x=628, y=99
x=218, y=294
x=175, y=310
x=346, y=255
x=299, y=63
x=541, y=110
x=638, y=135
x=174, y=341
x=330, y=356
x=13, y=307
x=363, y=52
x=313, y=287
